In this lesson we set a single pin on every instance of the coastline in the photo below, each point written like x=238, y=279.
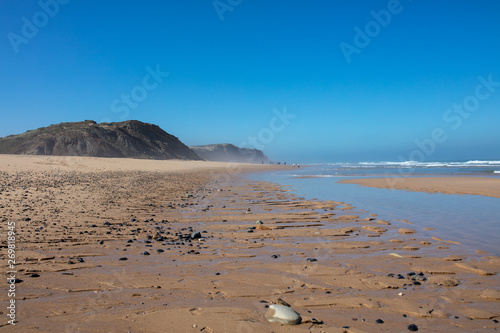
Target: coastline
x=103, y=210
x=478, y=185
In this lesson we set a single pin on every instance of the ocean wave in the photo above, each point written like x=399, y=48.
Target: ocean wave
x=416, y=164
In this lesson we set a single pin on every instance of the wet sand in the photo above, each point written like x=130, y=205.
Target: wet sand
x=83, y=225
x=487, y=186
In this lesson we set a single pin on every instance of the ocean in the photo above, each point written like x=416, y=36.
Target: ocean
x=472, y=220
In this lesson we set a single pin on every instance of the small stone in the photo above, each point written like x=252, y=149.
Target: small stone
x=282, y=315
x=123, y=258
x=35, y=275
x=379, y=321
x=145, y=253
x=259, y=222
x=311, y=259
x=275, y=256
x=196, y=235
x=450, y=283
x=412, y=327
x=282, y=302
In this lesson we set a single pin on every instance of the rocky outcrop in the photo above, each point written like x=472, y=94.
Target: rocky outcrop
x=230, y=153
x=130, y=138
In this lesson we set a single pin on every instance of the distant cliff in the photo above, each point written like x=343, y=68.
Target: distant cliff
x=131, y=138
x=230, y=153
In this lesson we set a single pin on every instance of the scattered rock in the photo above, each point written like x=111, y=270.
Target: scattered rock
x=282, y=302
x=379, y=321
x=281, y=314
x=196, y=235
x=123, y=258
x=450, y=283
x=412, y=327
x=145, y=253
x=311, y=259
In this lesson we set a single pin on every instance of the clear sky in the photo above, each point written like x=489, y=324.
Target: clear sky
x=306, y=81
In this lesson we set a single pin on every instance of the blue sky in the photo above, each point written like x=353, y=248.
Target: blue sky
x=273, y=75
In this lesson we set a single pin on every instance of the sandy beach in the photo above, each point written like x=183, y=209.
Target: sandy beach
x=124, y=245
x=487, y=186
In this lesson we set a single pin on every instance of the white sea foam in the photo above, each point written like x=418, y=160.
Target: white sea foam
x=416, y=164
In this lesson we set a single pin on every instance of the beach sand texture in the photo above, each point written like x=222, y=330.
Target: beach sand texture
x=112, y=245
x=487, y=186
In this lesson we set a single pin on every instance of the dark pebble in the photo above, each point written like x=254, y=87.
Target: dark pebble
x=196, y=235
x=160, y=251
x=34, y=275
x=145, y=253
x=123, y=258
x=379, y=321
x=412, y=328
x=18, y=281
x=80, y=260
x=311, y=259
x=275, y=256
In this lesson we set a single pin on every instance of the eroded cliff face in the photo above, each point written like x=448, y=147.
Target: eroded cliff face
x=230, y=153
x=133, y=139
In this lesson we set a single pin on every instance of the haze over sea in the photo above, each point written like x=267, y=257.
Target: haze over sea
x=472, y=220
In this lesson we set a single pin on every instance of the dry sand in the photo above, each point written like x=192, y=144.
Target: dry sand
x=77, y=217
x=487, y=186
